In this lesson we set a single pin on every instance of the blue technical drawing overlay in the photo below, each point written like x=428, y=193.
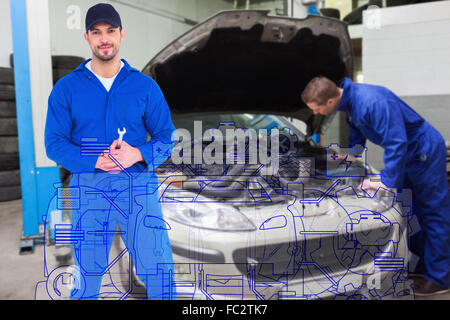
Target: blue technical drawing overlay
x=228, y=231
x=91, y=147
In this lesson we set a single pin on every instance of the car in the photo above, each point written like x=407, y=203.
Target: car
x=294, y=227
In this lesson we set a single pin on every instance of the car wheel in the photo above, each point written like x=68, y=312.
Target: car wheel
x=6, y=75
x=10, y=188
x=7, y=92
x=66, y=62
x=7, y=109
x=58, y=73
x=9, y=145
x=10, y=193
x=9, y=161
x=8, y=127
x=9, y=178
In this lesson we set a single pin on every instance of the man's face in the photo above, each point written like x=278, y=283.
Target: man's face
x=324, y=109
x=104, y=40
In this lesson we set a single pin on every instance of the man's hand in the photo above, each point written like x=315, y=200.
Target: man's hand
x=126, y=156
x=105, y=163
x=367, y=184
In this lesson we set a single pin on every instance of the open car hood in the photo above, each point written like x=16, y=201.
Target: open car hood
x=245, y=61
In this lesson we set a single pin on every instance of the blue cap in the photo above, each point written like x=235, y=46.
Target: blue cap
x=102, y=12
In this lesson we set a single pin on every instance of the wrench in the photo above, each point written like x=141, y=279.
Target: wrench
x=121, y=133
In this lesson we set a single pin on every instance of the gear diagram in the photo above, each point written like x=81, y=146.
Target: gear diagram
x=287, y=141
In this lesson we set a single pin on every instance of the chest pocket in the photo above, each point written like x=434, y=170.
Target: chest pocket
x=130, y=112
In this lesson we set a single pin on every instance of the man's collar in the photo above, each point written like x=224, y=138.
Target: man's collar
x=129, y=68
x=346, y=85
x=82, y=66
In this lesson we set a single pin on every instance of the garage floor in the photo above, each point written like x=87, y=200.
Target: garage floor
x=21, y=273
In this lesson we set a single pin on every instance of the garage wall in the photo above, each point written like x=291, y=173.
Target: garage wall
x=407, y=49
x=435, y=109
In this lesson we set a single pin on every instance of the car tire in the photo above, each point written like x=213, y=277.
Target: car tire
x=8, y=109
x=10, y=188
x=10, y=193
x=9, y=145
x=11, y=60
x=8, y=127
x=7, y=92
x=9, y=161
x=10, y=178
x=58, y=73
x=6, y=75
x=66, y=62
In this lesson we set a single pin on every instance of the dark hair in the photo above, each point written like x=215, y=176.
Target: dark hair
x=319, y=90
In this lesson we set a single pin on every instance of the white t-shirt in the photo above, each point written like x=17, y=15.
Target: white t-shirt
x=107, y=82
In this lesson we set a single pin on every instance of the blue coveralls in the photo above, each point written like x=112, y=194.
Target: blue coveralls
x=81, y=110
x=415, y=158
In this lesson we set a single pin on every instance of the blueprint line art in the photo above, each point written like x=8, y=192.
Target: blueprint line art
x=91, y=148
x=231, y=230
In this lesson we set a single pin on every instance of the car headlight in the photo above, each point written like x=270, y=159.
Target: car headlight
x=205, y=216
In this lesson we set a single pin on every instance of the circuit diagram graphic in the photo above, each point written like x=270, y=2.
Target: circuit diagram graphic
x=191, y=231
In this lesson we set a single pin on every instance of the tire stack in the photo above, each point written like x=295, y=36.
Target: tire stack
x=9, y=148
x=61, y=65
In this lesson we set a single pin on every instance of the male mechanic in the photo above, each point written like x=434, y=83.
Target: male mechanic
x=414, y=157
x=101, y=96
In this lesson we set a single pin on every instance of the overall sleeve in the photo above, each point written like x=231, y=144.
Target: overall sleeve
x=58, y=129
x=159, y=125
x=387, y=121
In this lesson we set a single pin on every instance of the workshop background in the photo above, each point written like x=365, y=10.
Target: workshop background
x=405, y=47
